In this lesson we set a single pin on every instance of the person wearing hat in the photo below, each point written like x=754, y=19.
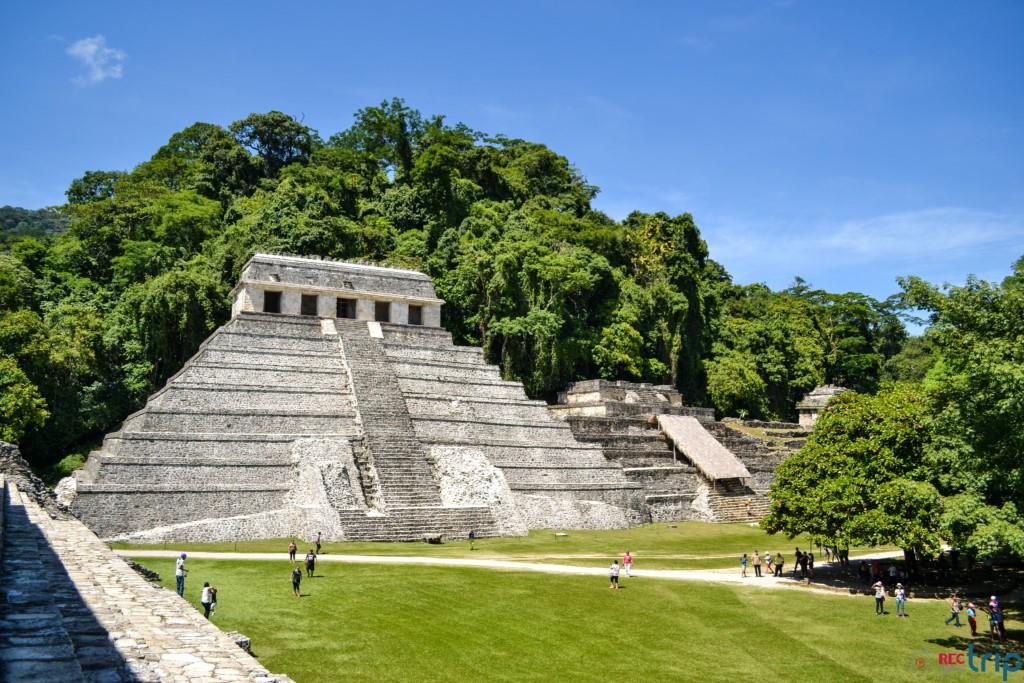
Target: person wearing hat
x=901, y=601
x=972, y=620
x=179, y=574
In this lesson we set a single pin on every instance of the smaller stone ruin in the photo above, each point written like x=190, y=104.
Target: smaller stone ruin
x=689, y=465
x=813, y=403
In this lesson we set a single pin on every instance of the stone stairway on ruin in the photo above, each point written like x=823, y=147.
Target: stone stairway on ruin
x=733, y=501
x=669, y=482
x=402, y=473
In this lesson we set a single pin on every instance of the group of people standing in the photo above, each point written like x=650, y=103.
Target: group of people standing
x=773, y=564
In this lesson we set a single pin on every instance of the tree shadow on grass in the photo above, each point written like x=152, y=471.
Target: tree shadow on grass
x=958, y=641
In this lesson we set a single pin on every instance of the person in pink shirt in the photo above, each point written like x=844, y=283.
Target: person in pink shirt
x=627, y=563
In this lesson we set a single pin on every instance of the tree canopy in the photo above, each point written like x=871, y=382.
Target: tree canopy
x=935, y=458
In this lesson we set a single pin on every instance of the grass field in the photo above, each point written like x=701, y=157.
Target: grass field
x=690, y=545
x=400, y=623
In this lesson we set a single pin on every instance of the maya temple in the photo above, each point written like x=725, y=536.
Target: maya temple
x=333, y=401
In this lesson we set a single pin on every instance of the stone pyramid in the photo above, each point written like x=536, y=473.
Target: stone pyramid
x=334, y=402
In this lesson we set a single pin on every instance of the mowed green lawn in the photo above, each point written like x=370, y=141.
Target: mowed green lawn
x=690, y=545
x=400, y=623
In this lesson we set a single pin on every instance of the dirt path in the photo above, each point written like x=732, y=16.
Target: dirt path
x=720, y=576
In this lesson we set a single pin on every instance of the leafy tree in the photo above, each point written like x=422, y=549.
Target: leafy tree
x=17, y=284
x=21, y=406
x=977, y=383
x=93, y=186
x=862, y=477
x=276, y=138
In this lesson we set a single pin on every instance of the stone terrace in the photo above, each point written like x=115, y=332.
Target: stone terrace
x=70, y=610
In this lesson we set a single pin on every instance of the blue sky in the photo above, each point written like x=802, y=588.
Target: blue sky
x=848, y=143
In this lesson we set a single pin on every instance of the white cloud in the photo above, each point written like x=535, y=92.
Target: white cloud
x=935, y=230
x=100, y=62
x=940, y=244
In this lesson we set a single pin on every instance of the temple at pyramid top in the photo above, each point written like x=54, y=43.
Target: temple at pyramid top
x=333, y=289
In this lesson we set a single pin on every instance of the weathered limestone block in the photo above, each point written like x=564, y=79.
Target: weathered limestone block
x=545, y=512
x=468, y=480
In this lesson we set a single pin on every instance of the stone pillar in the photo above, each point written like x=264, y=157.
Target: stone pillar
x=364, y=309
x=431, y=315
x=255, y=300
x=290, y=302
x=400, y=312
x=326, y=306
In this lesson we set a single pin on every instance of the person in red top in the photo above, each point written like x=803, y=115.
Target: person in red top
x=627, y=563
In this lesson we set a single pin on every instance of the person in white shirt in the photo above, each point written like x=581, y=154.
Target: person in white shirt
x=614, y=572
x=879, y=597
x=179, y=574
x=206, y=599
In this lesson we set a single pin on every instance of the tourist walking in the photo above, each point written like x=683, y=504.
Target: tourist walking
x=757, y=564
x=804, y=559
x=206, y=599
x=318, y=543
x=779, y=563
x=954, y=610
x=743, y=565
x=291, y=551
x=213, y=599
x=810, y=566
x=310, y=563
x=296, y=581
x=179, y=574
x=972, y=618
x=472, y=539
x=901, y=600
x=796, y=562
x=614, y=572
x=627, y=563
x=879, y=598
x=768, y=563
